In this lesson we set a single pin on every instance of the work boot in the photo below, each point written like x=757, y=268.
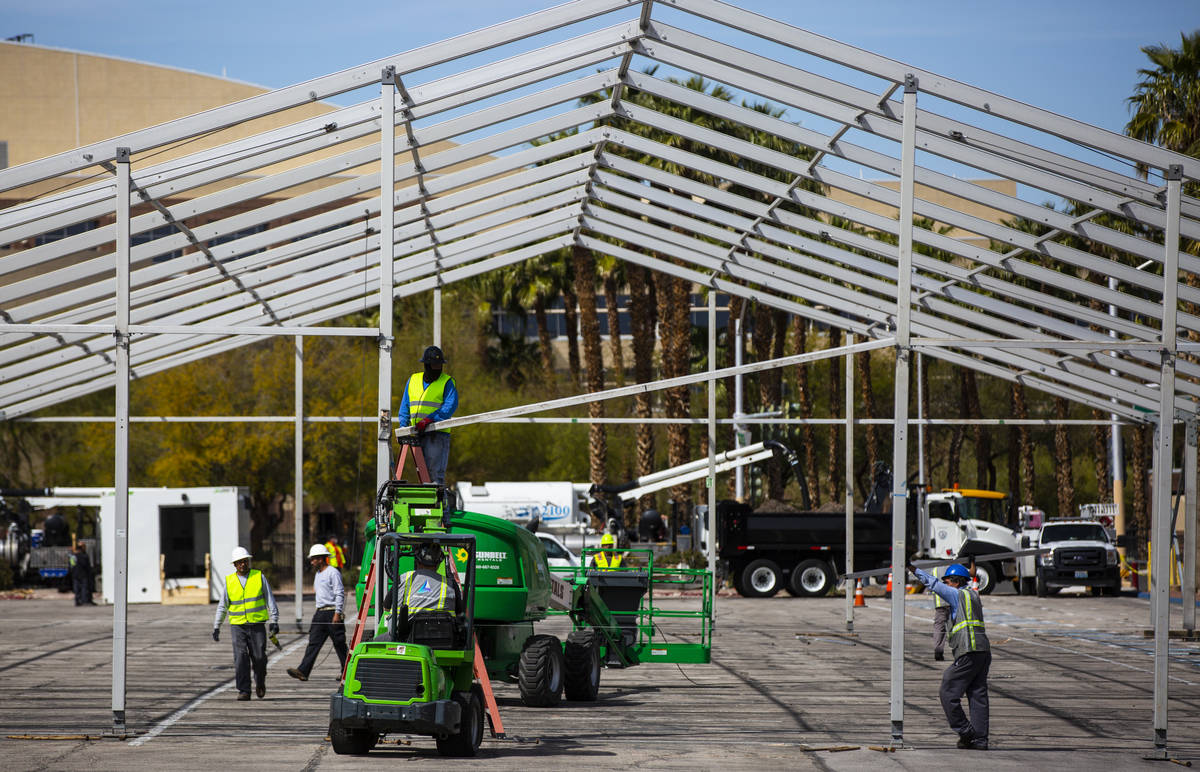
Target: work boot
x=261, y=691
x=979, y=744
x=967, y=742
x=937, y=655
x=243, y=696
x=295, y=673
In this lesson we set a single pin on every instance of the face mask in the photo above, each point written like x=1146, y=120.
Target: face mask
x=432, y=373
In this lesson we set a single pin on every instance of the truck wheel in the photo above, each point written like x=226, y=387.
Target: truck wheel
x=465, y=742
x=1028, y=586
x=352, y=742
x=1041, y=585
x=761, y=579
x=987, y=574
x=811, y=579
x=582, y=656
x=540, y=672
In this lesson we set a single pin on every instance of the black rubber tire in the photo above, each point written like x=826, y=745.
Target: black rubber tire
x=1029, y=586
x=465, y=742
x=1111, y=591
x=761, y=579
x=350, y=742
x=540, y=672
x=1041, y=585
x=811, y=579
x=987, y=574
x=581, y=654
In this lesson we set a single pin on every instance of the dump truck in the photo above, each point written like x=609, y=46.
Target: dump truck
x=803, y=551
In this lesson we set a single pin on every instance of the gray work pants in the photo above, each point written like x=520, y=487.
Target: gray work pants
x=941, y=616
x=967, y=675
x=436, y=447
x=249, y=650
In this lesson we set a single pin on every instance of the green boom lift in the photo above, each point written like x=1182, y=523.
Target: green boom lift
x=508, y=586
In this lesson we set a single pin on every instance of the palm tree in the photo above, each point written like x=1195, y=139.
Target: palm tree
x=641, y=318
x=800, y=327
x=585, y=284
x=836, y=456
x=612, y=276
x=1166, y=102
x=1062, y=461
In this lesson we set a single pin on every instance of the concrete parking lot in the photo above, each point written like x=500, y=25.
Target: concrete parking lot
x=1070, y=689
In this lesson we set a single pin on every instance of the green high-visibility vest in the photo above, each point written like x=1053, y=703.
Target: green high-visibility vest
x=968, y=633
x=424, y=400
x=247, y=605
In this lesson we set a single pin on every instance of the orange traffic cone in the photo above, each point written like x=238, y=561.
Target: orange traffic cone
x=859, y=600
x=888, y=592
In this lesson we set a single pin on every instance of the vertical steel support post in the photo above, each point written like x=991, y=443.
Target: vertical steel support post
x=849, y=463
x=711, y=481
x=120, y=578
x=1188, y=590
x=900, y=427
x=387, y=225
x=298, y=477
x=1116, y=451
x=739, y=478
x=1161, y=525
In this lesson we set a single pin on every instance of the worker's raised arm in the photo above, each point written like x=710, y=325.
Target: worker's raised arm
x=939, y=588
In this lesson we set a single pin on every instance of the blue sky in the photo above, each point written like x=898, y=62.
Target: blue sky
x=1075, y=57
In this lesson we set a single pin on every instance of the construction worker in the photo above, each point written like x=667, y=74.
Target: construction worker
x=250, y=604
x=972, y=655
x=424, y=589
x=607, y=561
x=941, y=614
x=328, y=621
x=81, y=575
x=337, y=555
x=429, y=397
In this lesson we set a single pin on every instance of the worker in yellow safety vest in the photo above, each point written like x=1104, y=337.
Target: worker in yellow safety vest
x=941, y=615
x=248, y=601
x=337, y=555
x=429, y=397
x=607, y=561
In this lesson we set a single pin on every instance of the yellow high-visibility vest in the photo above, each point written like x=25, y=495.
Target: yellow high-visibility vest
x=608, y=561
x=247, y=605
x=423, y=401
x=337, y=556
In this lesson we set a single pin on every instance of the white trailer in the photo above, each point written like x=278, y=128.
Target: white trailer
x=171, y=530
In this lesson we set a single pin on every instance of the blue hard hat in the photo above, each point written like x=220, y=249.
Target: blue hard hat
x=956, y=569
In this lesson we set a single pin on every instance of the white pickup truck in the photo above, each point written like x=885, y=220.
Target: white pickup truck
x=1081, y=554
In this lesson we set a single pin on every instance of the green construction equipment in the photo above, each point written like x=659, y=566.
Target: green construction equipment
x=507, y=587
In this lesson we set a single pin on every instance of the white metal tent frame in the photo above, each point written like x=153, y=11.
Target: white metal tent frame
x=556, y=167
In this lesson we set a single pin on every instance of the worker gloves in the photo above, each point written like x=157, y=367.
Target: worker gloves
x=273, y=628
x=216, y=634
x=423, y=424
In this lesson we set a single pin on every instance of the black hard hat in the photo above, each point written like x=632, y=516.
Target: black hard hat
x=433, y=356
x=428, y=554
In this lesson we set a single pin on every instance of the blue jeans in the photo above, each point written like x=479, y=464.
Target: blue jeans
x=436, y=447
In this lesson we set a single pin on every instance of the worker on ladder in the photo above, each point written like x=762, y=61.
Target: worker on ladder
x=429, y=397
x=609, y=559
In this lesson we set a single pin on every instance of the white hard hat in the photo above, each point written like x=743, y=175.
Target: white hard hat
x=239, y=553
x=318, y=551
